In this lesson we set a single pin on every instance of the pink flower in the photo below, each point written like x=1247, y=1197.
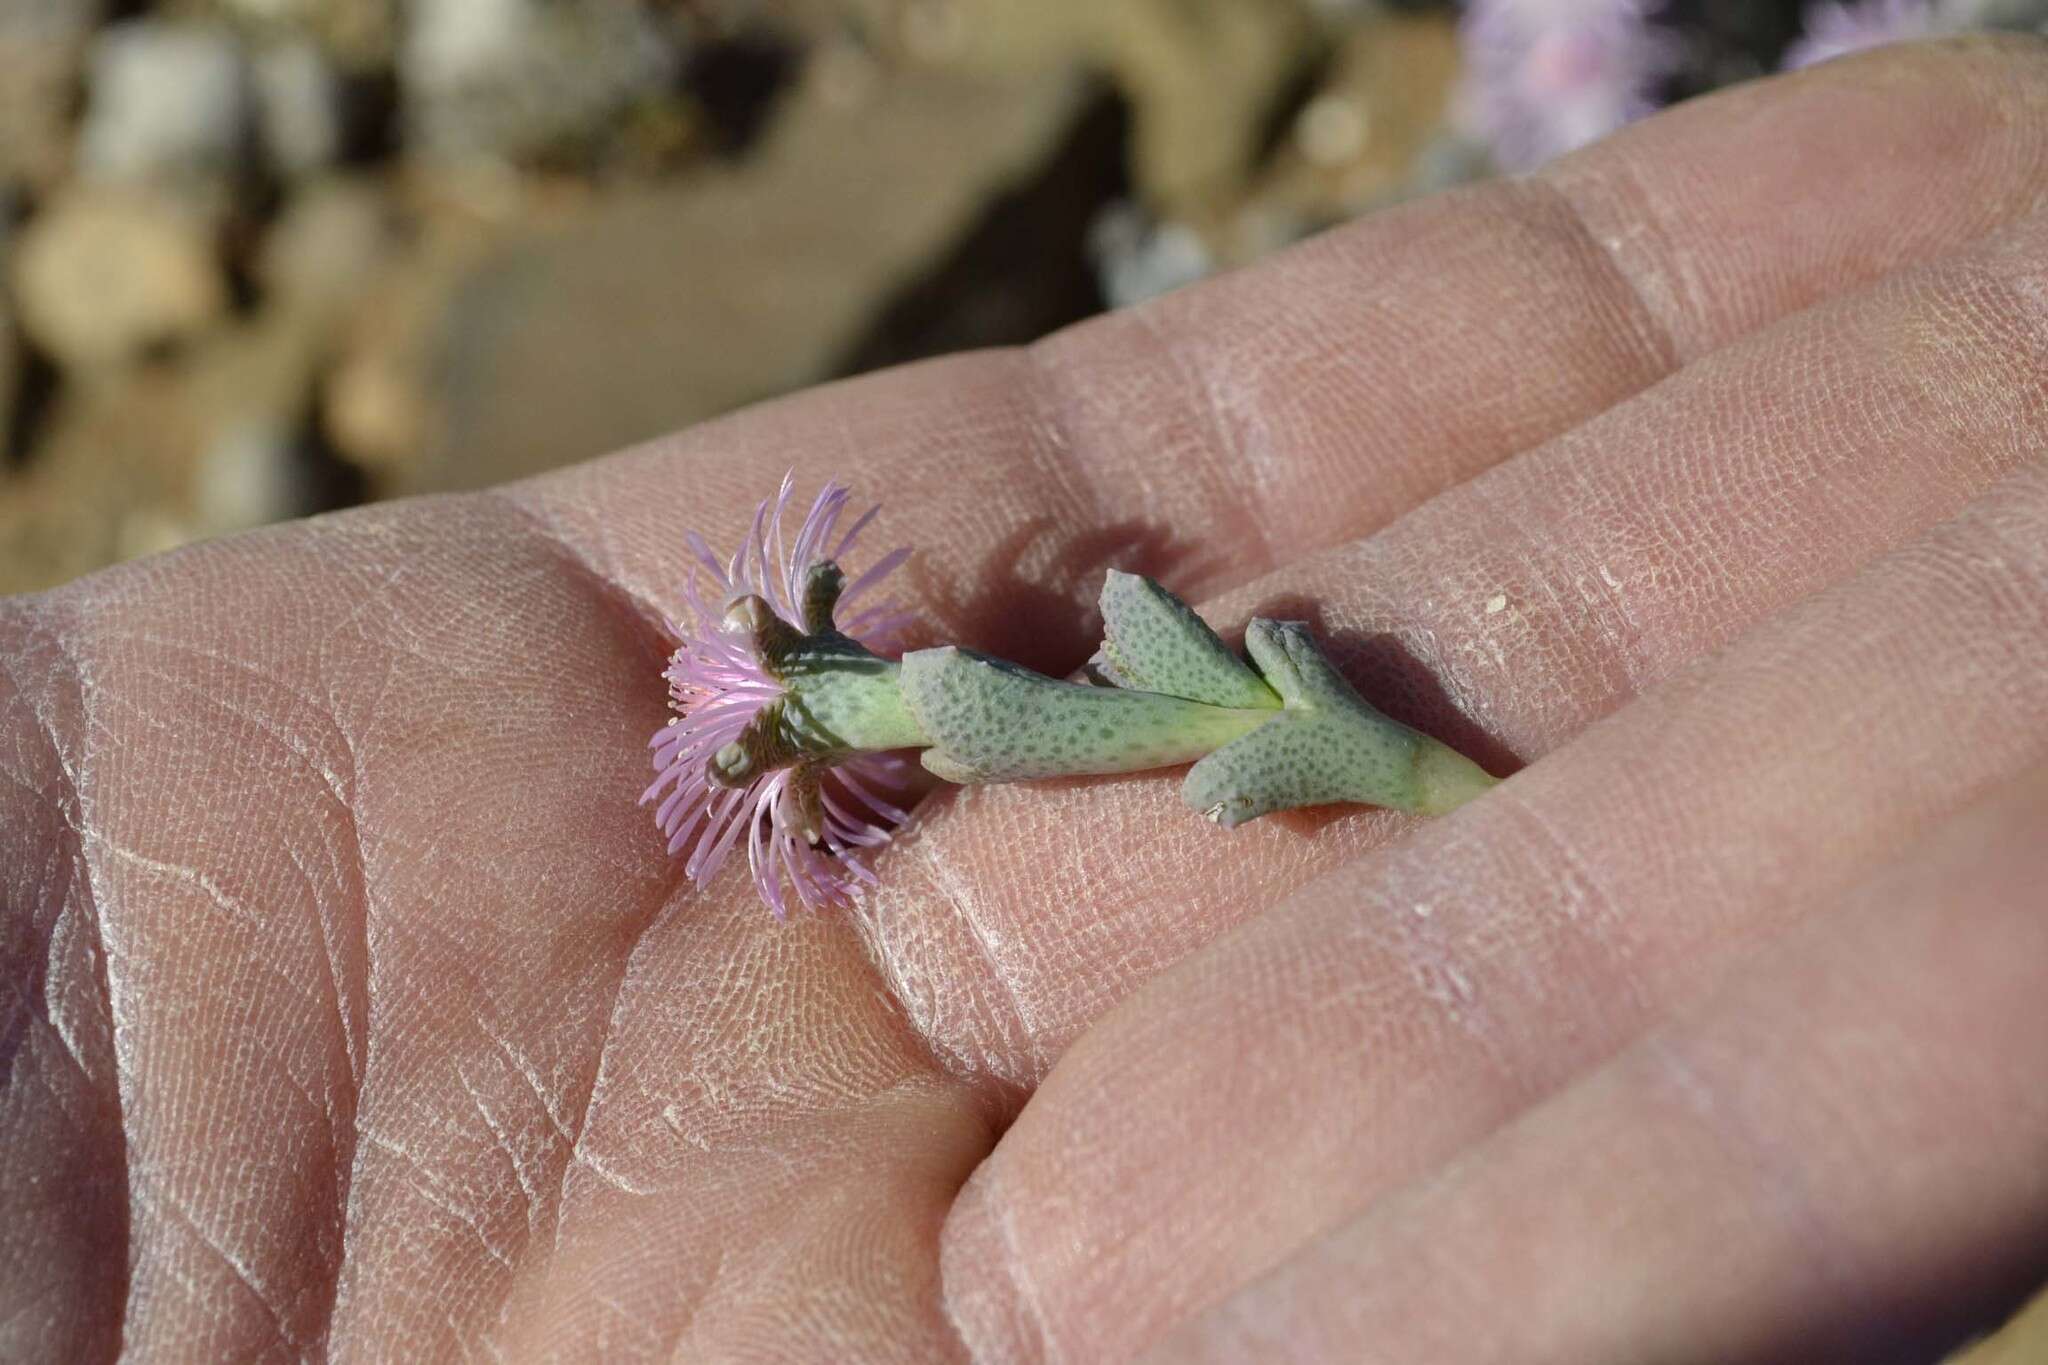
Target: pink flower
x=1545, y=76
x=1834, y=29
x=803, y=824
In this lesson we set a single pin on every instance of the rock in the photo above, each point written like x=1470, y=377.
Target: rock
x=1138, y=259
x=11, y=378
x=171, y=453
x=382, y=396
x=298, y=107
x=106, y=482
x=522, y=79
x=42, y=47
x=251, y=391
x=246, y=476
x=662, y=306
x=1371, y=133
x=326, y=247
x=1201, y=79
x=11, y=370
x=168, y=102
x=293, y=12
x=1332, y=129
x=357, y=35
x=380, y=399
x=102, y=275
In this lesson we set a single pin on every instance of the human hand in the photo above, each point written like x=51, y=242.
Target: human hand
x=355, y=1008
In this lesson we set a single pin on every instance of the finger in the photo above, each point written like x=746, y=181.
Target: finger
x=1316, y=397
x=1505, y=616
x=1402, y=1007
x=1839, y=1159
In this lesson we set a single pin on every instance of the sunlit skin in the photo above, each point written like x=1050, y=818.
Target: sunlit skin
x=354, y=1006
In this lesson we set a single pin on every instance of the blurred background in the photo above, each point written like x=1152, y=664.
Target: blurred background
x=270, y=257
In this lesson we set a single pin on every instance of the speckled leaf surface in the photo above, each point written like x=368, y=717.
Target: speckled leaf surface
x=991, y=721
x=1329, y=745
x=1306, y=758
x=1155, y=642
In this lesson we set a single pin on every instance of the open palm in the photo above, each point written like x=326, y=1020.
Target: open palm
x=352, y=1007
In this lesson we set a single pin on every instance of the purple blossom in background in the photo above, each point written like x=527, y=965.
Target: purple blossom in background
x=802, y=826
x=1545, y=76
x=1834, y=29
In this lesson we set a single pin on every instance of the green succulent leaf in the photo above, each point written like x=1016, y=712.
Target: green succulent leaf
x=991, y=721
x=1328, y=745
x=1154, y=642
x=842, y=699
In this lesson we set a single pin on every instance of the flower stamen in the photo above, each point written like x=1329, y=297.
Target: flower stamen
x=730, y=764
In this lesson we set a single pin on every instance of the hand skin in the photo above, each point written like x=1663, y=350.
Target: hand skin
x=353, y=1009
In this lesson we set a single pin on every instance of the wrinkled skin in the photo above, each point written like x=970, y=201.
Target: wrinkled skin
x=353, y=1008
